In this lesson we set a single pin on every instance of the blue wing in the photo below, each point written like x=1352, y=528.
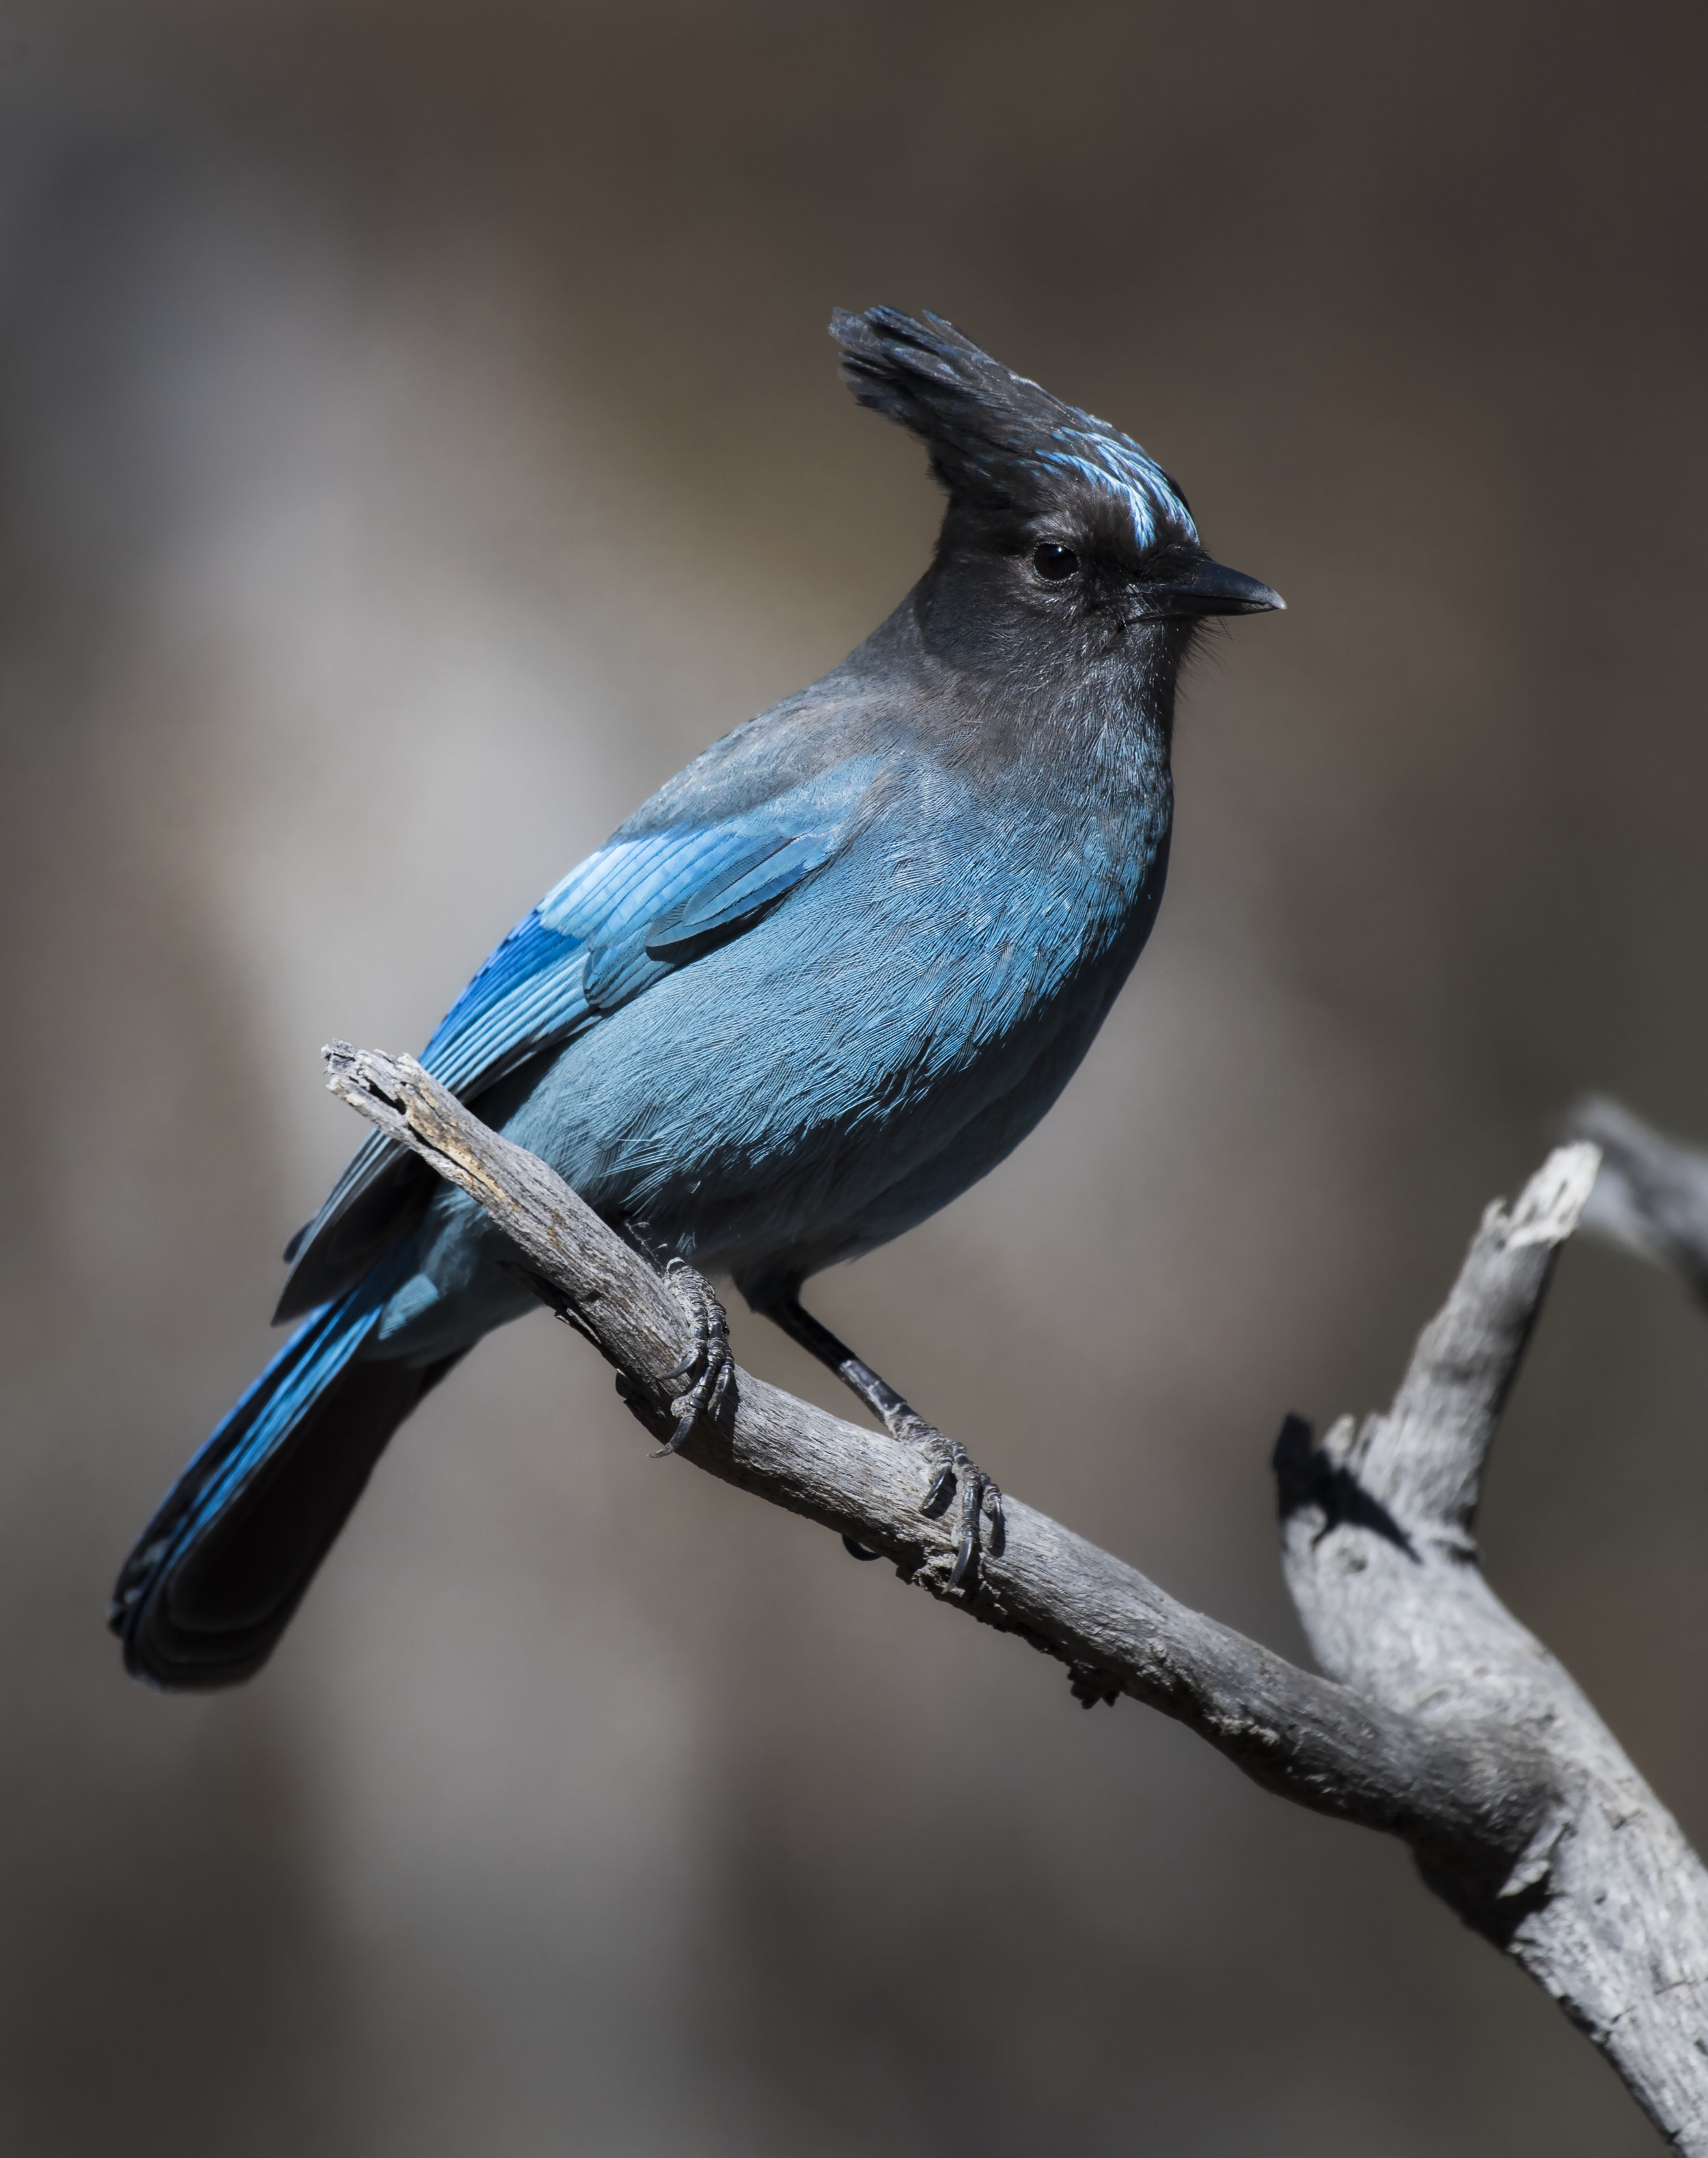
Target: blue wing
x=636, y=909
x=643, y=906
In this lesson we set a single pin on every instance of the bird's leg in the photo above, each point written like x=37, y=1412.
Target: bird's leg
x=949, y=1460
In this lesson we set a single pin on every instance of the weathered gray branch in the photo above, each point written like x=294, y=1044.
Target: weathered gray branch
x=1652, y=1196
x=1441, y=1720
x=1607, y=1905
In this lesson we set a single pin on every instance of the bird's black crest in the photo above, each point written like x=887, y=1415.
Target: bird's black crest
x=994, y=435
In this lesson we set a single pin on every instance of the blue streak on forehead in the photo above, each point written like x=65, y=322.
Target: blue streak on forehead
x=1116, y=466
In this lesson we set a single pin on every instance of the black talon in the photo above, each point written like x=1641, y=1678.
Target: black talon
x=855, y=1550
x=937, y=1498
x=977, y=1492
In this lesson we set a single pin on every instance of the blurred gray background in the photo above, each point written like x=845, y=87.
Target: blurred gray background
x=419, y=436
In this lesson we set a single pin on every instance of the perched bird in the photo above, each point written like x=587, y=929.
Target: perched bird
x=829, y=975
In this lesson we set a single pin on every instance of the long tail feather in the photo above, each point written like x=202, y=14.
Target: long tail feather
x=214, y=1578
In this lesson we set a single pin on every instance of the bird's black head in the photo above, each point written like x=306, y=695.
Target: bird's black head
x=1062, y=540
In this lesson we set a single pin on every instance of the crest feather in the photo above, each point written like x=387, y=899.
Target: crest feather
x=996, y=438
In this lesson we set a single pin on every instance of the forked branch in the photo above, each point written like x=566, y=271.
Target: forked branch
x=1441, y=1720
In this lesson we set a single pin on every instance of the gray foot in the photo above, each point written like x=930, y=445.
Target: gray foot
x=954, y=1469
x=709, y=1367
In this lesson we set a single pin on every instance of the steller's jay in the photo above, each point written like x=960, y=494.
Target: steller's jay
x=829, y=975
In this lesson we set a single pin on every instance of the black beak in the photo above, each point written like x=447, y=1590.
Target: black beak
x=1205, y=587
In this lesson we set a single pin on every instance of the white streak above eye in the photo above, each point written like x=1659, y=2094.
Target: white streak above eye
x=1116, y=466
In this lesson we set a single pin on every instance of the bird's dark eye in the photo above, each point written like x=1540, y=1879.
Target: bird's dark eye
x=1054, y=563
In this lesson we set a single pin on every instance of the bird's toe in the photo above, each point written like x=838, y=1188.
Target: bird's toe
x=709, y=1367
x=955, y=1473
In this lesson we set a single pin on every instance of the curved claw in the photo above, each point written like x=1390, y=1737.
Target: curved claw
x=979, y=1495
x=942, y=1486
x=980, y=1499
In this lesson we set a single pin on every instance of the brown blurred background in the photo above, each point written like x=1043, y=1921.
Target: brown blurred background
x=419, y=436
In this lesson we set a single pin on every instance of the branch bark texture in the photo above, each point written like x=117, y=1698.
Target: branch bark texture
x=1439, y=1719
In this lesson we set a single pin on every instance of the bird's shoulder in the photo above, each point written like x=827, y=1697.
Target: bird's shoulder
x=871, y=712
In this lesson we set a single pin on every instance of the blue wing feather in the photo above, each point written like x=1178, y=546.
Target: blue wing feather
x=527, y=994
x=629, y=881
x=739, y=898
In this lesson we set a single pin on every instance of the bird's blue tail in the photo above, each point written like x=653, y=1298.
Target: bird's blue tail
x=216, y=1574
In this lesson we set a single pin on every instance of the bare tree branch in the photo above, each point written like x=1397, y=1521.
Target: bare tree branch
x=1607, y=1905
x=1441, y=1721
x=1652, y=1196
